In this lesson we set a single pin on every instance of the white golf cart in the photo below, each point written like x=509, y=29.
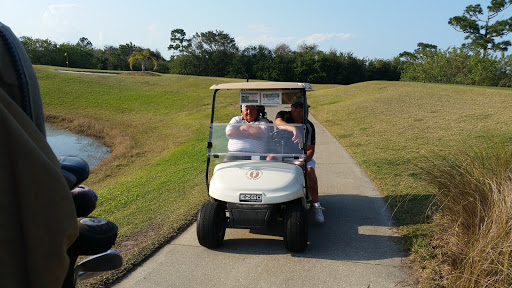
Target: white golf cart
x=262, y=187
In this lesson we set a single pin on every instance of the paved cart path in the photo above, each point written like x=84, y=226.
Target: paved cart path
x=355, y=247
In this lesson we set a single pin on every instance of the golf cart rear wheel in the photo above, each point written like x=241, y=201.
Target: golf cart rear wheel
x=295, y=228
x=211, y=224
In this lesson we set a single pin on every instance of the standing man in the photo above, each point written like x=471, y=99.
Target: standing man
x=295, y=116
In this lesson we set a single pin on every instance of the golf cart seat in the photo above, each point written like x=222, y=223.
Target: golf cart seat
x=262, y=113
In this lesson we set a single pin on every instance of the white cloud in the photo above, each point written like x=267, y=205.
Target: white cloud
x=156, y=38
x=57, y=13
x=153, y=28
x=153, y=34
x=263, y=35
x=260, y=28
x=266, y=40
x=101, y=39
x=318, y=38
x=58, y=20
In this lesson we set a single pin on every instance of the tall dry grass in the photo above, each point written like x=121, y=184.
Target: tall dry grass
x=473, y=228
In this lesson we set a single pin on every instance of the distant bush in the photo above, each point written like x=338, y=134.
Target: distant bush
x=457, y=66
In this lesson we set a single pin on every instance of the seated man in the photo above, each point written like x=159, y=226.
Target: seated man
x=296, y=116
x=246, y=138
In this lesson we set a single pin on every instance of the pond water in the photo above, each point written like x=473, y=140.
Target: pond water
x=65, y=143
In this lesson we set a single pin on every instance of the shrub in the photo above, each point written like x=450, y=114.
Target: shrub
x=457, y=66
x=473, y=228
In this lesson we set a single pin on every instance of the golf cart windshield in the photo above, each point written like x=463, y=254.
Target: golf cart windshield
x=266, y=142
x=233, y=142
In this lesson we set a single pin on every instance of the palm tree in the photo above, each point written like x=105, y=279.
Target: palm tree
x=143, y=56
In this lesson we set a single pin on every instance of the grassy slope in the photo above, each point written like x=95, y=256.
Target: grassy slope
x=391, y=127
x=155, y=184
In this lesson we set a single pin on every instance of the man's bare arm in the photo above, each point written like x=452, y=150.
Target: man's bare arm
x=281, y=124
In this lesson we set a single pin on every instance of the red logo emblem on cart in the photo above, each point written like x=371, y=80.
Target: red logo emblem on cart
x=254, y=174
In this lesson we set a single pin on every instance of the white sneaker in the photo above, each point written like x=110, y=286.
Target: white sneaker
x=319, y=215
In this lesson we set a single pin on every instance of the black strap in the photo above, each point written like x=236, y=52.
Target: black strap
x=24, y=100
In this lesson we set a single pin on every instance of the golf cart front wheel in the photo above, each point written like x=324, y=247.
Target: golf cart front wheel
x=211, y=224
x=296, y=228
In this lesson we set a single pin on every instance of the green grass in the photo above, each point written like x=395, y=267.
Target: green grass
x=392, y=129
x=155, y=184
x=389, y=127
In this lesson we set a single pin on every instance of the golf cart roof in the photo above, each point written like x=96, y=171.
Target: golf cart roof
x=262, y=85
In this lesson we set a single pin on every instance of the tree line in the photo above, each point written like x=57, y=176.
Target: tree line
x=216, y=54
x=84, y=55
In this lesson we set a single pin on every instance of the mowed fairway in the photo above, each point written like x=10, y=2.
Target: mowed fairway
x=154, y=182
x=392, y=127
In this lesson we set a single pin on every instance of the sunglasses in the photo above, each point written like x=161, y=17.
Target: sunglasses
x=298, y=105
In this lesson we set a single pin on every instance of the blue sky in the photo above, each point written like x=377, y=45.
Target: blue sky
x=368, y=29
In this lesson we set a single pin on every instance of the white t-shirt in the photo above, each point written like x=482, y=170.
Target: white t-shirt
x=247, y=145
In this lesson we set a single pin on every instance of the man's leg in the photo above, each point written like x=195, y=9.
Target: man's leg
x=312, y=184
x=313, y=191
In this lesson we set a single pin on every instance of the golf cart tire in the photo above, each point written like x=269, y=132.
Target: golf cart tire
x=295, y=228
x=211, y=224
